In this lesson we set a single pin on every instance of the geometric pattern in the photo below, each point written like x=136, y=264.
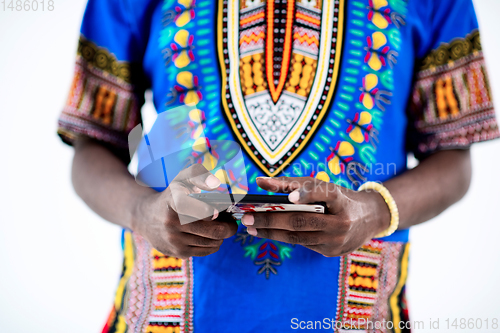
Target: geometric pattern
x=451, y=102
x=275, y=94
x=100, y=105
x=369, y=277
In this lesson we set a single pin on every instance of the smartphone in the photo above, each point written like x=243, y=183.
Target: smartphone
x=239, y=204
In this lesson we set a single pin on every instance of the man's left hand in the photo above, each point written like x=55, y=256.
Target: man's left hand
x=352, y=218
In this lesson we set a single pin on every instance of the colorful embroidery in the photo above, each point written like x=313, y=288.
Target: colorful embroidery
x=340, y=156
x=399, y=311
x=140, y=288
x=266, y=254
x=381, y=54
x=173, y=295
x=155, y=294
x=101, y=58
x=116, y=320
x=368, y=277
x=178, y=48
x=381, y=15
x=275, y=94
x=180, y=52
x=361, y=129
x=451, y=102
x=378, y=54
x=361, y=137
x=100, y=105
x=458, y=49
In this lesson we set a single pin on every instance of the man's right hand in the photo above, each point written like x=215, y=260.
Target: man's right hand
x=157, y=217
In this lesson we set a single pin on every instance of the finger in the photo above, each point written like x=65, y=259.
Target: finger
x=290, y=184
x=295, y=221
x=182, y=204
x=291, y=237
x=307, y=190
x=195, y=251
x=195, y=240
x=317, y=191
x=199, y=177
x=202, y=251
x=211, y=229
x=282, y=184
x=327, y=252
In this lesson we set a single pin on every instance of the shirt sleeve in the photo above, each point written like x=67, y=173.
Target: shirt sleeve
x=108, y=86
x=451, y=105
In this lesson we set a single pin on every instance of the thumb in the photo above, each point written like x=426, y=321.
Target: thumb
x=198, y=176
x=282, y=184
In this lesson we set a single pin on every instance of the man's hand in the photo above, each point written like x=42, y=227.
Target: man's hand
x=102, y=180
x=160, y=216
x=351, y=220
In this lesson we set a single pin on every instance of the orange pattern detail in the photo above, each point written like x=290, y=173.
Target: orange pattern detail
x=252, y=38
x=306, y=38
x=445, y=98
x=166, y=296
x=104, y=102
x=364, y=287
x=287, y=48
x=252, y=18
x=308, y=19
x=163, y=329
x=477, y=90
x=74, y=86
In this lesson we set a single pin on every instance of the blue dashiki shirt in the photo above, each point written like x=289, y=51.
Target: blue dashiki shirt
x=340, y=90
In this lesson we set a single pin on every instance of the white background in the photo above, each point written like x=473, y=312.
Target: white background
x=60, y=263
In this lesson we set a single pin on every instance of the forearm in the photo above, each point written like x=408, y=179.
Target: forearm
x=102, y=180
x=436, y=183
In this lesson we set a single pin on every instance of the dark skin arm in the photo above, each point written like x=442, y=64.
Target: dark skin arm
x=100, y=177
x=353, y=217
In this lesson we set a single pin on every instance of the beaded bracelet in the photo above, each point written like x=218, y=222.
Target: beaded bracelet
x=389, y=200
